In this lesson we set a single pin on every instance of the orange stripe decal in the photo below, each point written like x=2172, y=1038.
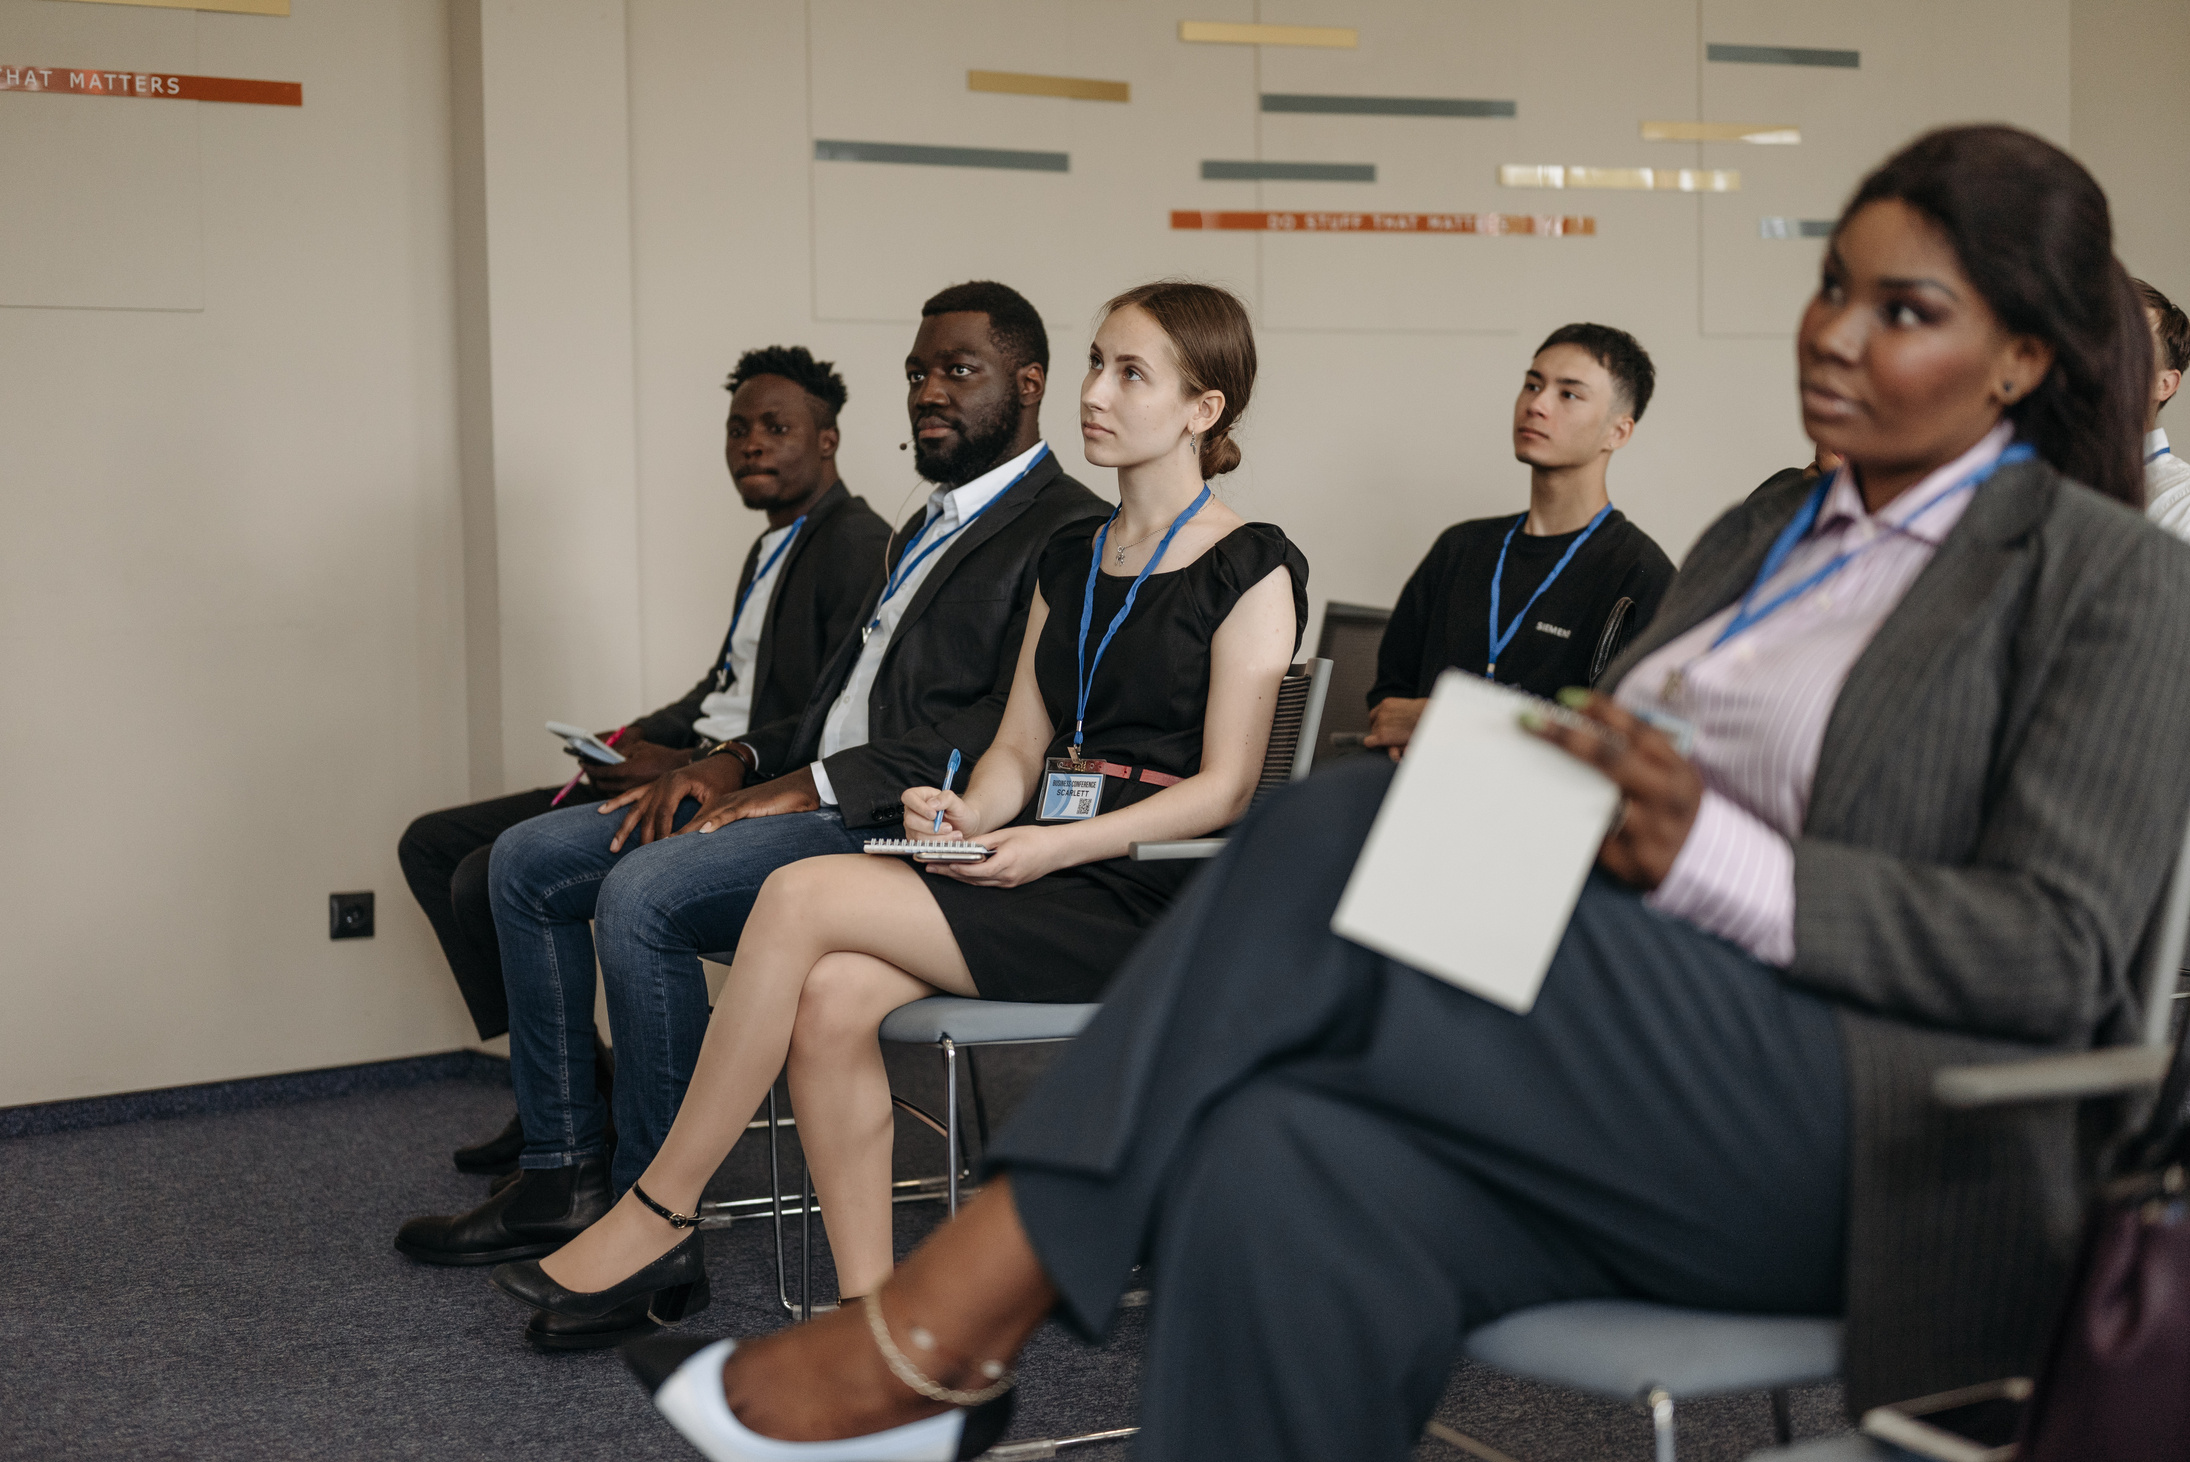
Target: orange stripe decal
x=167, y=86
x=1548, y=225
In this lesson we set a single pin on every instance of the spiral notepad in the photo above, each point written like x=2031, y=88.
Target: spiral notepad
x=936, y=852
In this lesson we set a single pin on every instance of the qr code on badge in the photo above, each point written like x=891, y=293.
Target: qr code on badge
x=1071, y=796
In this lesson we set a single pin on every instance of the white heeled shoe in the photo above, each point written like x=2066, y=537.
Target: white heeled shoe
x=685, y=1375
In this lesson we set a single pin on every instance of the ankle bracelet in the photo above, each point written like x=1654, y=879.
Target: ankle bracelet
x=1000, y=1379
x=676, y=1220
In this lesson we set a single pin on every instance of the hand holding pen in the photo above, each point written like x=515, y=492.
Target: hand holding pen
x=610, y=740
x=1660, y=791
x=950, y=774
x=932, y=812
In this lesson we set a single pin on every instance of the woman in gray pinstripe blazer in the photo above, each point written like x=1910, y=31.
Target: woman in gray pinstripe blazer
x=1338, y=1166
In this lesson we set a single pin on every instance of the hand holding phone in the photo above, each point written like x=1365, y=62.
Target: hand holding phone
x=585, y=743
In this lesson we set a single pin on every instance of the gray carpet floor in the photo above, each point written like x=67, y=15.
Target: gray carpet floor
x=223, y=1286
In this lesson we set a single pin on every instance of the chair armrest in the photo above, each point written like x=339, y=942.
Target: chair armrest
x=2051, y=1078
x=1178, y=848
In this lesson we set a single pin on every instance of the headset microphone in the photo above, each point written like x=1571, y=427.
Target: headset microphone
x=901, y=446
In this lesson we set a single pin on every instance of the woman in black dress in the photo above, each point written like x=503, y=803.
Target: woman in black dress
x=1139, y=712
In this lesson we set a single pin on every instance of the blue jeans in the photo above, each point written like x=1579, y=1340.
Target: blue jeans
x=655, y=909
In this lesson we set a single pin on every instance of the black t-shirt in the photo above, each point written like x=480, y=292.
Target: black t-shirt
x=1608, y=592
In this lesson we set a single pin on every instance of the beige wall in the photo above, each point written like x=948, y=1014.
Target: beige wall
x=230, y=591
x=2130, y=120
x=435, y=363
x=1388, y=364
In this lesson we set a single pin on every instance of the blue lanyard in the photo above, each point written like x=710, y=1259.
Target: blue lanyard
x=722, y=675
x=1498, y=642
x=1087, y=608
x=911, y=560
x=2162, y=452
x=1751, y=613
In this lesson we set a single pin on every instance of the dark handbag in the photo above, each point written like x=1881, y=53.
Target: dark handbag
x=2116, y=1382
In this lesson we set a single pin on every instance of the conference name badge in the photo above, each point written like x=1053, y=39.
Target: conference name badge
x=1072, y=791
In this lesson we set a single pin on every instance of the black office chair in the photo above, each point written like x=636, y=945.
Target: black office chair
x=1349, y=640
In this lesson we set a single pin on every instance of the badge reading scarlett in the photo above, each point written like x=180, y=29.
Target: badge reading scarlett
x=1072, y=791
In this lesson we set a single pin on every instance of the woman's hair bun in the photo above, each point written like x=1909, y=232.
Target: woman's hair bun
x=1219, y=455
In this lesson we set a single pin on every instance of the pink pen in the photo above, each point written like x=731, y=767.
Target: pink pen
x=613, y=737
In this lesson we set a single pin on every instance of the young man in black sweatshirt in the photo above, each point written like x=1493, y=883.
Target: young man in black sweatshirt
x=1571, y=580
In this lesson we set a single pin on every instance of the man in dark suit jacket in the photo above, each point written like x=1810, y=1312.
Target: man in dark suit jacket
x=795, y=607
x=928, y=673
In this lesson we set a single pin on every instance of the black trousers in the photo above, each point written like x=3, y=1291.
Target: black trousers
x=444, y=858
x=1337, y=1165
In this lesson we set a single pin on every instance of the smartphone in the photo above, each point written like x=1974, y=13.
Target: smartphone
x=1974, y=1424
x=585, y=743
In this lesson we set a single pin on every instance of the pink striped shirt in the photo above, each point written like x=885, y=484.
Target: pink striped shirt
x=1760, y=701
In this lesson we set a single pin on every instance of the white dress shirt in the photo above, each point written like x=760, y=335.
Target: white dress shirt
x=2166, y=486
x=728, y=712
x=948, y=510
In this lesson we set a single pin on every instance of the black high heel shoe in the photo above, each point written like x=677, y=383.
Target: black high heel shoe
x=664, y=1292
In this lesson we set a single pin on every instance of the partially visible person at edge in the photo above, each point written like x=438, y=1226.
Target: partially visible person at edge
x=2166, y=475
x=1936, y=790
x=796, y=597
x=1571, y=580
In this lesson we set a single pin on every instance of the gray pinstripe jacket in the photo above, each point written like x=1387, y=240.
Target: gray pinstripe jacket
x=2001, y=790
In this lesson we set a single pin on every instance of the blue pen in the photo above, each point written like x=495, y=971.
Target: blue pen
x=950, y=774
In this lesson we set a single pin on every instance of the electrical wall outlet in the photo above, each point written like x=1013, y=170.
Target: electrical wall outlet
x=350, y=915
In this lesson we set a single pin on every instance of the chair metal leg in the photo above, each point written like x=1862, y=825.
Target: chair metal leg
x=775, y=1201
x=950, y=1117
x=1783, y=1422
x=1482, y=1451
x=806, y=1242
x=980, y=1105
x=1661, y=1421
x=1051, y=1446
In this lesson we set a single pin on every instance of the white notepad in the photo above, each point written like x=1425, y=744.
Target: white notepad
x=1479, y=852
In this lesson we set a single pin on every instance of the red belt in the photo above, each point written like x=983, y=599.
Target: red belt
x=1149, y=775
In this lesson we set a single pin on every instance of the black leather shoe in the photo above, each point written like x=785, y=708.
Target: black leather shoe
x=504, y=1181
x=628, y=1321
x=495, y=1156
x=664, y=1292
x=536, y=1215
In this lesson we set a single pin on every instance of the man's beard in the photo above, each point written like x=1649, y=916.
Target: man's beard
x=981, y=443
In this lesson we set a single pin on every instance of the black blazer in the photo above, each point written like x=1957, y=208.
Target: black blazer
x=811, y=609
x=948, y=670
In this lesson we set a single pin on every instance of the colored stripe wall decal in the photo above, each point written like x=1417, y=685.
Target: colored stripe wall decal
x=1677, y=180
x=1385, y=106
x=232, y=7
x=73, y=81
x=1224, y=33
x=1782, y=56
x=1021, y=83
x=942, y=157
x=1289, y=172
x=1768, y=133
x=1794, y=228
x=1545, y=225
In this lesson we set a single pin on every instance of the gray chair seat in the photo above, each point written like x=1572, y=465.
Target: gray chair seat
x=1625, y=1348
x=982, y=1022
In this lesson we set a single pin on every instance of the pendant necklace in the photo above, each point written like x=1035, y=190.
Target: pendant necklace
x=1136, y=543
